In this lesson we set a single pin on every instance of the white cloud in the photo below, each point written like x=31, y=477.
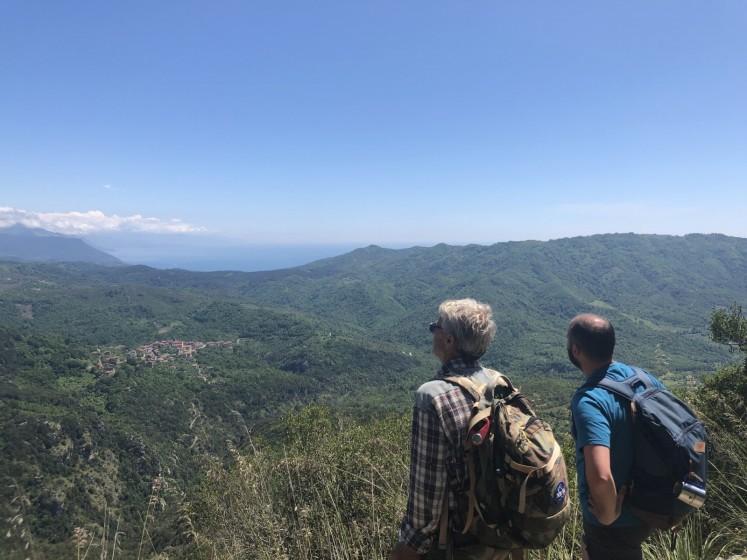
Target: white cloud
x=92, y=221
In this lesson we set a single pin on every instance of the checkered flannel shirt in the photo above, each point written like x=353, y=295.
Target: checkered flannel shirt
x=437, y=468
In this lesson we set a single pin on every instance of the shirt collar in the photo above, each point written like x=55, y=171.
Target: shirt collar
x=458, y=366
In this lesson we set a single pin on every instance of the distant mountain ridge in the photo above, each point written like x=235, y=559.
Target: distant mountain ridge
x=22, y=243
x=659, y=289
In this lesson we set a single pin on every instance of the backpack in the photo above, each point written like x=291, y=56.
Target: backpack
x=518, y=492
x=669, y=475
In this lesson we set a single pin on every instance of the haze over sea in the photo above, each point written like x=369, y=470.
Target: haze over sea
x=248, y=258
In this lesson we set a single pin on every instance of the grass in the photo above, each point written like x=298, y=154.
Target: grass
x=335, y=492
x=338, y=492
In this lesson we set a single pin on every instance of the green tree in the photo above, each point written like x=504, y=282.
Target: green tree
x=729, y=326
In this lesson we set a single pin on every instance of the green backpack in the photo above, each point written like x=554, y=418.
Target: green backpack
x=518, y=494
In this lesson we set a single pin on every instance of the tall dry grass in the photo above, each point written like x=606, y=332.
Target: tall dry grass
x=337, y=491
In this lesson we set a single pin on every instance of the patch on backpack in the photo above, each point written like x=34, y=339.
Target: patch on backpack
x=558, y=495
x=699, y=447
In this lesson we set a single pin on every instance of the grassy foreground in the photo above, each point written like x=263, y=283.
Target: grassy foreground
x=336, y=490
x=327, y=487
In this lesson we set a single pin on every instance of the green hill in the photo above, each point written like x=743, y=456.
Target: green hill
x=87, y=421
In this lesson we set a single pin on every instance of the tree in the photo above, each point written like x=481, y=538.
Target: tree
x=729, y=326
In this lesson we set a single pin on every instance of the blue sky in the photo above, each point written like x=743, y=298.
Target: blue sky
x=375, y=122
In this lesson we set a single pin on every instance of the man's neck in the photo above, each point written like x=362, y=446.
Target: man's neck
x=592, y=368
x=449, y=357
x=459, y=366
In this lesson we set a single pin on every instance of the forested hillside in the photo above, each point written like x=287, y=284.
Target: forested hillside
x=113, y=377
x=657, y=290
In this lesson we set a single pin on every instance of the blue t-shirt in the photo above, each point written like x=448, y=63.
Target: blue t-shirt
x=602, y=418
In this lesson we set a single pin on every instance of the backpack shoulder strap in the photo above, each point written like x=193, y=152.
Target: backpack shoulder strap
x=474, y=389
x=478, y=390
x=497, y=379
x=643, y=378
x=619, y=388
x=626, y=389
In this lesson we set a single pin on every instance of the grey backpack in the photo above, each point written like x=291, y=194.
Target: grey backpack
x=669, y=474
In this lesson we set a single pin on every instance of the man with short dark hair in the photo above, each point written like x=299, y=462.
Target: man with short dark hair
x=604, y=443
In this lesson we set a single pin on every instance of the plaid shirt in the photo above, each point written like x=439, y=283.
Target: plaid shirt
x=439, y=426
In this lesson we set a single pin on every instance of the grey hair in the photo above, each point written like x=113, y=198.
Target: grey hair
x=470, y=323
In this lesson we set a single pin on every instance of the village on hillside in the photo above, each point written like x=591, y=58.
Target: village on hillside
x=107, y=360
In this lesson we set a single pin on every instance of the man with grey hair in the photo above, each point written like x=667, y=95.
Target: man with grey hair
x=438, y=474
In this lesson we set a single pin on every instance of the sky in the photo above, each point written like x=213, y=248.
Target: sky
x=392, y=123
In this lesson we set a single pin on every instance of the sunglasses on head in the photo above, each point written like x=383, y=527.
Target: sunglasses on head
x=434, y=326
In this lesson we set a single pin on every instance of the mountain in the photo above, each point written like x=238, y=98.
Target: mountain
x=19, y=242
x=87, y=420
x=658, y=290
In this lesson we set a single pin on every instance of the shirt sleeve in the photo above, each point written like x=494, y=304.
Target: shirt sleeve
x=427, y=481
x=591, y=423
